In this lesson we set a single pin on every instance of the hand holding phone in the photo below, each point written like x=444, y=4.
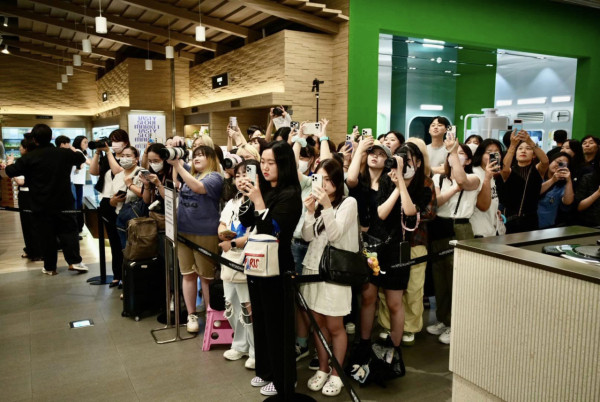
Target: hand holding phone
x=121, y=193
x=251, y=174
x=228, y=234
x=317, y=182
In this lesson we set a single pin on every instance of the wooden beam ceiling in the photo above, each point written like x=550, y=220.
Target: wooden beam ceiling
x=290, y=13
x=125, y=40
x=41, y=59
x=193, y=17
x=54, y=40
x=51, y=51
x=131, y=24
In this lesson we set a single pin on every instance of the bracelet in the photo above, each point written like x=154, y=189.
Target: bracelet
x=324, y=139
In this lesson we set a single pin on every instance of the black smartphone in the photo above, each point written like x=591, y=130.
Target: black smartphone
x=120, y=193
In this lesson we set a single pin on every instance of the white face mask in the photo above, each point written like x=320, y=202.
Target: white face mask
x=410, y=172
x=127, y=163
x=118, y=147
x=302, y=166
x=462, y=159
x=157, y=167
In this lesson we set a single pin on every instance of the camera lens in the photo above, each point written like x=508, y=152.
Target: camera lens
x=391, y=163
x=172, y=153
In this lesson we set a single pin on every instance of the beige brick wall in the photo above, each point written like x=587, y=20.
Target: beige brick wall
x=29, y=87
x=116, y=84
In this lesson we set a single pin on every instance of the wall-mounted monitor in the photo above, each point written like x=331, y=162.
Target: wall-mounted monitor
x=221, y=80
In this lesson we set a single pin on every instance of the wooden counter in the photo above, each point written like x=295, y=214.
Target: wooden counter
x=525, y=325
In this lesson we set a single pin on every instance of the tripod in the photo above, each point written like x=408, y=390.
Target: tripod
x=315, y=88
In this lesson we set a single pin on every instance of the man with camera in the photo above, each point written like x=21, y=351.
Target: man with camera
x=47, y=171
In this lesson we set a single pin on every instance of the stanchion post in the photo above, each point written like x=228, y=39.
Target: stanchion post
x=103, y=279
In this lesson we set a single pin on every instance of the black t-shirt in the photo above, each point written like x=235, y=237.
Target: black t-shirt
x=47, y=172
x=519, y=189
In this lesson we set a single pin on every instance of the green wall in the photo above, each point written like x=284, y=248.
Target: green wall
x=538, y=26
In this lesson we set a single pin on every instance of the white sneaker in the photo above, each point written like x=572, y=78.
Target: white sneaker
x=445, y=337
x=384, y=334
x=233, y=354
x=51, y=273
x=192, y=324
x=258, y=382
x=408, y=338
x=436, y=329
x=250, y=363
x=78, y=267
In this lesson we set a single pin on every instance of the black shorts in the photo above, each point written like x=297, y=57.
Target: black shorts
x=394, y=278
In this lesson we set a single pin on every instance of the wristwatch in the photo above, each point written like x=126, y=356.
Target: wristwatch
x=233, y=245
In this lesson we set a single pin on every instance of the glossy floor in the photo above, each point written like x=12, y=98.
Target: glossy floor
x=42, y=359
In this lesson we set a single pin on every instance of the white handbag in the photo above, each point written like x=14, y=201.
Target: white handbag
x=261, y=255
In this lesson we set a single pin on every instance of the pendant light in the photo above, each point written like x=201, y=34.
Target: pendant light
x=101, y=26
x=64, y=78
x=200, y=30
x=86, y=44
x=169, y=51
x=69, y=70
x=59, y=86
x=5, y=50
x=148, y=63
x=77, y=60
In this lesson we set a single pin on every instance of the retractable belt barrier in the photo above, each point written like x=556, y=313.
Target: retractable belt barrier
x=13, y=209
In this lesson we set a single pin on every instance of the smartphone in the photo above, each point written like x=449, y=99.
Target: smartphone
x=517, y=125
x=251, y=173
x=495, y=157
x=144, y=172
x=367, y=132
x=451, y=131
x=563, y=165
x=311, y=128
x=232, y=121
x=294, y=125
x=317, y=181
x=349, y=141
x=229, y=234
x=120, y=193
x=355, y=127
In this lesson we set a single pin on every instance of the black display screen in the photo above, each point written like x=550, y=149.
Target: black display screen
x=219, y=81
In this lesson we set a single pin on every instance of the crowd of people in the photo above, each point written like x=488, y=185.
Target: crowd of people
x=406, y=196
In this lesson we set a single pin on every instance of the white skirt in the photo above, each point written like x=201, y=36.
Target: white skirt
x=326, y=298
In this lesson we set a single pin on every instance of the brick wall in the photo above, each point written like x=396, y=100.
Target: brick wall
x=116, y=84
x=30, y=87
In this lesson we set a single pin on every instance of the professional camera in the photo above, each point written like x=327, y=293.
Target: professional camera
x=277, y=111
x=391, y=163
x=231, y=161
x=99, y=143
x=173, y=153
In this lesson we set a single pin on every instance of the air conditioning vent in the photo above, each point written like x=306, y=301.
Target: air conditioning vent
x=531, y=117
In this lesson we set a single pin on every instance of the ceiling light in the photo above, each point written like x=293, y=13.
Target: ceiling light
x=200, y=30
x=64, y=78
x=432, y=59
x=433, y=46
x=5, y=50
x=531, y=101
x=504, y=102
x=558, y=99
x=541, y=57
x=431, y=107
x=458, y=47
x=86, y=46
x=451, y=61
x=148, y=65
x=412, y=57
x=448, y=72
x=77, y=60
x=69, y=70
x=101, y=26
x=409, y=41
x=59, y=86
x=489, y=65
x=441, y=42
x=438, y=60
x=169, y=52
x=456, y=75
x=412, y=68
x=5, y=23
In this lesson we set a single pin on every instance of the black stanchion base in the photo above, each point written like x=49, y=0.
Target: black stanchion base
x=97, y=280
x=293, y=397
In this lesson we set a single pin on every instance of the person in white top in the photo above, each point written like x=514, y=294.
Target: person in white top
x=233, y=237
x=80, y=143
x=330, y=218
x=436, y=150
x=485, y=220
x=456, y=192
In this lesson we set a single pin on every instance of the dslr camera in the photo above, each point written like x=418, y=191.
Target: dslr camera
x=391, y=163
x=173, y=153
x=99, y=143
x=277, y=111
x=231, y=161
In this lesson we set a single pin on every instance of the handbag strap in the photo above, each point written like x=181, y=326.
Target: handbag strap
x=525, y=190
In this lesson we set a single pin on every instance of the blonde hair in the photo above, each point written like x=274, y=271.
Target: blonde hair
x=251, y=150
x=206, y=140
x=423, y=148
x=211, y=158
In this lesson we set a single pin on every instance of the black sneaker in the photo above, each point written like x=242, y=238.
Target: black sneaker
x=314, y=363
x=301, y=352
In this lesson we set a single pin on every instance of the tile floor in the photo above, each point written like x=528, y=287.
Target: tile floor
x=42, y=359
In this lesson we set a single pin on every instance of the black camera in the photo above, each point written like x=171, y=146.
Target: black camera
x=231, y=161
x=278, y=112
x=392, y=163
x=173, y=153
x=99, y=143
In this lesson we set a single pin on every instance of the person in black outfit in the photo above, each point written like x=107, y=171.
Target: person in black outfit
x=105, y=165
x=522, y=182
x=47, y=172
x=560, y=137
x=587, y=197
x=275, y=205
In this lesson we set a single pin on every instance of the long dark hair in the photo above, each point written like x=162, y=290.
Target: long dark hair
x=417, y=184
x=577, y=160
x=167, y=169
x=287, y=172
x=553, y=158
x=480, y=151
x=77, y=142
x=336, y=176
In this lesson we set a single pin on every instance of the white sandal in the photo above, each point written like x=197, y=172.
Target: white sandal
x=333, y=386
x=316, y=382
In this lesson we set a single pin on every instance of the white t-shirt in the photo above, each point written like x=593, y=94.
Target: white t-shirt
x=118, y=183
x=484, y=222
x=437, y=156
x=306, y=188
x=467, y=201
x=229, y=216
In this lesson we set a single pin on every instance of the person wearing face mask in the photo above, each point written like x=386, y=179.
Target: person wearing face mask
x=154, y=186
x=456, y=192
x=126, y=188
x=105, y=165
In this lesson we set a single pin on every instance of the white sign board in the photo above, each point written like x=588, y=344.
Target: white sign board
x=143, y=127
x=170, y=214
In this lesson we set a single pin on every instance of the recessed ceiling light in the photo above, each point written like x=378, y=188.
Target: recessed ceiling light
x=409, y=41
x=558, y=99
x=451, y=61
x=456, y=75
x=504, y=102
x=441, y=42
x=531, y=101
x=438, y=60
x=431, y=107
x=448, y=72
x=433, y=46
x=489, y=65
x=458, y=47
x=412, y=57
x=432, y=59
x=412, y=68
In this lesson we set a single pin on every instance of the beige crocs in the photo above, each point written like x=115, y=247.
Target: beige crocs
x=316, y=382
x=333, y=386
